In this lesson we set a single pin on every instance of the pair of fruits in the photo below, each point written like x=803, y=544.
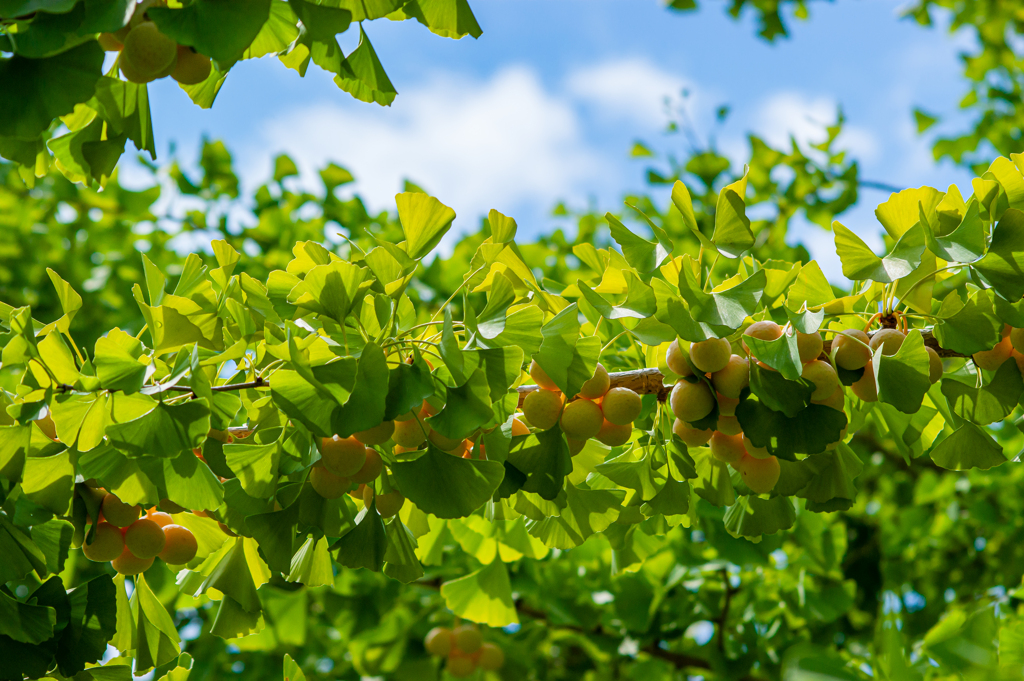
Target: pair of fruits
x=147, y=54
x=598, y=411
x=131, y=543
x=1011, y=345
x=464, y=649
x=348, y=465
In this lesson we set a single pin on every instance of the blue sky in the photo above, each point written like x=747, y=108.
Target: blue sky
x=547, y=103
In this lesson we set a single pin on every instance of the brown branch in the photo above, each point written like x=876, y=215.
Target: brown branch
x=260, y=382
x=650, y=381
x=724, y=615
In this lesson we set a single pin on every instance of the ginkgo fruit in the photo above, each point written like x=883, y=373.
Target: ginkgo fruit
x=409, y=433
x=621, y=406
x=460, y=666
x=575, y=446
x=445, y=443
x=1017, y=339
x=809, y=345
x=691, y=437
x=755, y=451
x=677, y=359
x=109, y=42
x=491, y=657
x=161, y=519
x=342, y=455
x=727, y=448
x=118, y=513
x=542, y=408
x=729, y=425
x=144, y=538
x=935, y=367
x=691, y=401
x=467, y=638
x=540, y=377
x=377, y=435
x=147, y=54
x=865, y=387
x=731, y=379
x=581, y=419
x=614, y=435
x=852, y=349
x=192, y=67
x=180, y=545
x=990, y=360
x=597, y=385
x=760, y=475
x=519, y=428
x=438, y=641
x=372, y=467
x=327, y=484
x=130, y=564
x=711, y=355
x=727, y=405
x=107, y=543
x=837, y=400
x=824, y=378
x=766, y=330
x=388, y=505
x=890, y=340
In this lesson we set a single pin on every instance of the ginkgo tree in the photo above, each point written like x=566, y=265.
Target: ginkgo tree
x=314, y=426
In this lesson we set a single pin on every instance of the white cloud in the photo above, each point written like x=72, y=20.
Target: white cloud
x=501, y=143
x=805, y=118
x=632, y=88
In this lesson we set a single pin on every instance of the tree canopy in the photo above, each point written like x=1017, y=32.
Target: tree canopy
x=660, y=444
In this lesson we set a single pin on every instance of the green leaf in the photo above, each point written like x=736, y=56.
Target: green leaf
x=781, y=354
x=220, y=29
x=811, y=288
x=125, y=108
x=321, y=22
x=640, y=302
x=859, y=262
x=809, y=432
x=484, y=596
x=53, y=538
x=728, y=307
x=672, y=499
x=93, y=623
x=311, y=564
x=447, y=18
x=49, y=481
x=567, y=358
x=640, y=253
x=116, y=359
x=779, y=393
x=165, y=431
x=364, y=546
x=752, y=516
x=967, y=242
x=156, y=637
x=424, y=221
x=503, y=228
x=400, y=561
x=732, y=234
x=1003, y=265
x=903, y=210
x=70, y=301
x=831, y=475
x=903, y=378
x=713, y=483
x=332, y=289
x=24, y=622
x=807, y=662
x=446, y=485
x=466, y=408
x=362, y=75
x=968, y=327
x=87, y=155
x=968, y=447
x=46, y=88
x=990, y=403
x=255, y=466
x=544, y=459
x=923, y=120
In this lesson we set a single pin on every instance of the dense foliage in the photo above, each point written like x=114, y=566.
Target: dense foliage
x=634, y=559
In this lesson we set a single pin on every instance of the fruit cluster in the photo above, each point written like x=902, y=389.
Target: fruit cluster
x=131, y=542
x=464, y=649
x=598, y=411
x=719, y=377
x=351, y=465
x=147, y=54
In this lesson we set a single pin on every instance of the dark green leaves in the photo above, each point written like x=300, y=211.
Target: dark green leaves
x=968, y=447
x=640, y=253
x=987, y=404
x=40, y=90
x=779, y=393
x=809, y=431
x=728, y=307
x=362, y=75
x=445, y=485
x=220, y=29
x=1003, y=265
x=781, y=354
x=903, y=377
x=570, y=360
